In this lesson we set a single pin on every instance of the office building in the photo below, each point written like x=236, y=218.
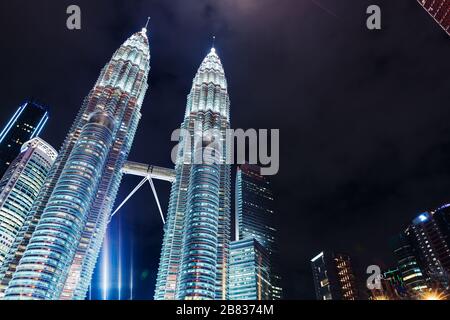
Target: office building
x=254, y=219
x=19, y=188
x=26, y=123
x=428, y=235
x=333, y=276
x=412, y=274
x=250, y=271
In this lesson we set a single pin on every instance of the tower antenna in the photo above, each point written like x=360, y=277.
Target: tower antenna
x=148, y=19
x=213, y=41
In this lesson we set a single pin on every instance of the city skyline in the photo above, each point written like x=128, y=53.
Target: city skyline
x=323, y=177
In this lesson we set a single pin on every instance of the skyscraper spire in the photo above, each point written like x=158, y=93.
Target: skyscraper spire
x=144, y=29
x=194, y=255
x=69, y=218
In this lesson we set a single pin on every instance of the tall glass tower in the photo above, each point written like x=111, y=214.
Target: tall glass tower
x=70, y=216
x=424, y=253
x=20, y=186
x=254, y=207
x=254, y=219
x=194, y=256
x=250, y=271
x=26, y=123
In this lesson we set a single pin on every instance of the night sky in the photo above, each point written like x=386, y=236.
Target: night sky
x=363, y=115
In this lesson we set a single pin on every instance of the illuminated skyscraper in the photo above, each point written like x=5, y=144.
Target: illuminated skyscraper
x=334, y=278
x=19, y=188
x=439, y=10
x=410, y=270
x=427, y=239
x=26, y=123
x=254, y=207
x=71, y=213
x=254, y=219
x=250, y=271
x=194, y=255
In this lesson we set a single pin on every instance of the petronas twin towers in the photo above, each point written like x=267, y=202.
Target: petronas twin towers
x=194, y=255
x=68, y=220
x=56, y=252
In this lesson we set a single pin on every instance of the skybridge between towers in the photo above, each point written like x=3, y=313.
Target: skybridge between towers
x=148, y=173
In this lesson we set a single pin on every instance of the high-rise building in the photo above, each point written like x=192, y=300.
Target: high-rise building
x=254, y=207
x=19, y=188
x=69, y=218
x=194, y=254
x=439, y=10
x=408, y=265
x=254, y=219
x=428, y=235
x=441, y=217
x=249, y=271
x=334, y=278
x=26, y=123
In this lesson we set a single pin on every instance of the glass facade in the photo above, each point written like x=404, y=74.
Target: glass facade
x=69, y=218
x=408, y=265
x=254, y=217
x=250, y=271
x=423, y=251
x=194, y=255
x=19, y=188
x=26, y=124
x=254, y=207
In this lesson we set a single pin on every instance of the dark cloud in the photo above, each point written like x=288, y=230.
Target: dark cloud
x=363, y=115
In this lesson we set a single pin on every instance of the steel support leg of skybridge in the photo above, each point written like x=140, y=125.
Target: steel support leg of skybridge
x=148, y=173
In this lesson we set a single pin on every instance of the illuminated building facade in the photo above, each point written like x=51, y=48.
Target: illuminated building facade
x=26, y=123
x=69, y=219
x=334, y=278
x=249, y=272
x=408, y=265
x=254, y=207
x=428, y=235
x=194, y=255
x=254, y=219
x=19, y=188
x=441, y=218
x=439, y=10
